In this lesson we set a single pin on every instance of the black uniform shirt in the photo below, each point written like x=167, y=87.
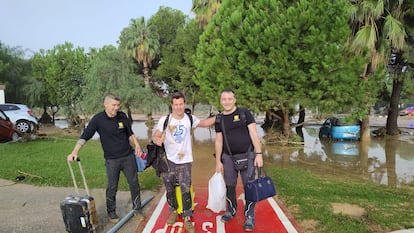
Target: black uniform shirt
x=236, y=130
x=113, y=132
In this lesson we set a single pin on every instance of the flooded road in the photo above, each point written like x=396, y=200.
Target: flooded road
x=386, y=160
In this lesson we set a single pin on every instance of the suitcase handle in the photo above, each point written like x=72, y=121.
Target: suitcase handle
x=82, y=174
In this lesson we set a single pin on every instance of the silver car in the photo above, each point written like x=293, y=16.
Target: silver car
x=21, y=116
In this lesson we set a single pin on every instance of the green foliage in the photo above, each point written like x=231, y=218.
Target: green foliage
x=277, y=56
x=186, y=45
x=205, y=10
x=178, y=41
x=166, y=22
x=15, y=74
x=177, y=67
x=111, y=71
x=379, y=28
x=61, y=72
x=141, y=42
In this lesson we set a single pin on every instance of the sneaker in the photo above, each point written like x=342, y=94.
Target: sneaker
x=226, y=217
x=188, y=226
x=172, y=218
x=113, y=217
x=249, y=224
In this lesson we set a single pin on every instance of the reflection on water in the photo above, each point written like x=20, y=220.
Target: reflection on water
x=387, y=161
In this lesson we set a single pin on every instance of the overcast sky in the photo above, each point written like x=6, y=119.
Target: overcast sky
x=42, y=24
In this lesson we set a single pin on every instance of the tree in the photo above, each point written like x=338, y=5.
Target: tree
x=277, y=56
x=205, y=10
x=15, y=74
x=177, y=66
x=141, y=41
x=178, y=41
x=61, y=71
x=377, y=29
x=112, y=71
x=185, y=45
x=167, y=23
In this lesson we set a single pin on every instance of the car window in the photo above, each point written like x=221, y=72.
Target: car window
x=342, y=122
x=8, y=107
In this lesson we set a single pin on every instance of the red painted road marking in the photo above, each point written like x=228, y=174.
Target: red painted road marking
x=269, y=217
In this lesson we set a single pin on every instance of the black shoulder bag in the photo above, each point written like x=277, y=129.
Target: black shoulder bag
x=156, y=155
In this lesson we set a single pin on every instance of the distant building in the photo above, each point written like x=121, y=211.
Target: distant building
x=2, y=98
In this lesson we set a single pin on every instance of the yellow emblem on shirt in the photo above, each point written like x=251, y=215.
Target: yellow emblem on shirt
x=236, y=118
x=120, y=125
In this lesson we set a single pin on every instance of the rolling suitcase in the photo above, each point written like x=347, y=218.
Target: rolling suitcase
x=79, y=211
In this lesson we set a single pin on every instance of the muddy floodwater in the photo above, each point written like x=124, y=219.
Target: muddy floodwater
x=385, y=160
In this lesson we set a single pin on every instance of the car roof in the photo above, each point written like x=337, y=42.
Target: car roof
x=12, y=104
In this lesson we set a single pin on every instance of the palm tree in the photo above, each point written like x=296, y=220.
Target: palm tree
x=142, y=43
x=376, y=30
x=205, y=10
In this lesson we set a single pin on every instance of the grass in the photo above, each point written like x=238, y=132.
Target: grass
x=307, y=194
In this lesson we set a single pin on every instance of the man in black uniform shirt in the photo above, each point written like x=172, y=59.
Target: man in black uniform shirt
x=115, y=133
x=236, y=134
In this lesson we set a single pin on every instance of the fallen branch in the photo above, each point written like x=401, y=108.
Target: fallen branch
x=28, y=174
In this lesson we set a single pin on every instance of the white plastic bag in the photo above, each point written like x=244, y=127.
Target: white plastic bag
x=216, y=193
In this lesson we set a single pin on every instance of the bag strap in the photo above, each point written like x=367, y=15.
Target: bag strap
x=224, y=135
x=167, y=119
x=259, y=174
x=166, y=122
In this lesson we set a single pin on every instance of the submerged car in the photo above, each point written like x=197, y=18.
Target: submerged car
x=7, y=131
x=339, y=129
x=21, y=116
x=408, y=111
